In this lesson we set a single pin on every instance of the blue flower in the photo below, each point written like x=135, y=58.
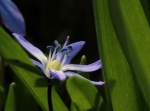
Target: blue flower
x=57, y=64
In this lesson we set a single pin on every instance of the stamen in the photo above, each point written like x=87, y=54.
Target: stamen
x=67, y=40
x=64, y=59
x=69, y=49
x=64, y=50
x=50, y=55
x=51, y=48
x=54, y=53
x=57, y=44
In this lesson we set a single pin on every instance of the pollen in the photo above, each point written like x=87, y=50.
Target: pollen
x=55, y=65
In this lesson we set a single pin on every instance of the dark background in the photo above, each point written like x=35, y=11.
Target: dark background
x=49, y=20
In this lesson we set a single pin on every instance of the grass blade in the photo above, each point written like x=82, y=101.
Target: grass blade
x=21, y=65
x=82, y=93
x=74, y=107
x=10, y=104
x=121, y=92
x=57, y=103
x=134, y=34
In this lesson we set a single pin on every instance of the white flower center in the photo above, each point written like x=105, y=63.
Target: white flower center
x=55, y=65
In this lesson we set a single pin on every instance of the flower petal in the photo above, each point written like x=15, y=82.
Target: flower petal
x=70, y=74
x=83, y=68
x=12, y=17
x=76, y=47
x=41, y=66
x=58, y=75
x=98, y=82
x=30, y=48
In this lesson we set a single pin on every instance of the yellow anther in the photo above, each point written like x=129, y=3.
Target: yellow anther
x=55, y=65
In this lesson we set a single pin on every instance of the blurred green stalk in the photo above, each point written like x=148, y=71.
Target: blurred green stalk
x=133, y=32
x=121, y=92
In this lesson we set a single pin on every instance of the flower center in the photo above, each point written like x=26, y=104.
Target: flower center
x=55, y=65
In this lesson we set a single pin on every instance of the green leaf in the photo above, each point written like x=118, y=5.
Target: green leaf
x=25, y=72
x=74, y=107
x=57, y=102
x=98, y=104
x=82, y=93
x=24, y=99
x=10, y=104
x=134, y=34
x=121, y=91
x=146, y=8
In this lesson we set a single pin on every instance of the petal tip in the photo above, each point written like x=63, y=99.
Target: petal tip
x=15, y=35
x=82, y=42
x=99, y=83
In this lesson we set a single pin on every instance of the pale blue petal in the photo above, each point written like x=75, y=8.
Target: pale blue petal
x=66, y=42
x=98, y=82
x=58, y=75
x=70, y=74
x=83, y=68
x=37, y=53
x=76, y=47
x=41, y=66
x=11, y=17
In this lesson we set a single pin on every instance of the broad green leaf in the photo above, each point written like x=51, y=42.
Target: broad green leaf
x=82, y=93
x=98, y=104
x=24, y=99
x=10, y=104
x=146, y=7
x=57, y=103
x=74, y=107
x=25, y=72
x=121, y=92
x=96, y=108
x=134, y=35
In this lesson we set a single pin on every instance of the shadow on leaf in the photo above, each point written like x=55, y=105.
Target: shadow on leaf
x=41, y=82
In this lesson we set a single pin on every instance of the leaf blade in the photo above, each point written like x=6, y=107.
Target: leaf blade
x=57, y=103
x=23, y=68
x=133, y=32
x=117, y=72
x=10, y=104
x=82, y=93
